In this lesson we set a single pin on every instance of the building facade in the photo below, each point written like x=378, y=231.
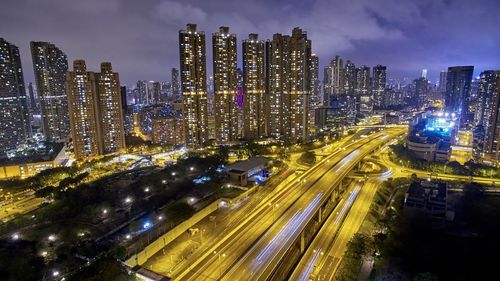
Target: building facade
x=225, y=81
x=379, y=83
x=96, y=117
x=289, y=60
x=14, y=121
x=458, y=87
x=194, y=85
x=168, y=131
x=50, y=65
x=254, y=119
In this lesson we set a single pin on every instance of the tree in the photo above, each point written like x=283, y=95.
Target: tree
x=308, y=157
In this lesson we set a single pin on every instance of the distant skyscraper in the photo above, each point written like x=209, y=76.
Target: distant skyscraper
x=363, y=91
x=379, y=82
x=314, y=91
x=156, y=92
x=421, y=91
x=175, y=82
x=424, y=73
x=490, y=98
x=33, y=104
x=225, y=81
x=442, y=81
x=334, y=85
x=50, y=65
x=254, y=88
x=194, y=84
x=14, y=121
x=289, y=60
x=142, y=94
x=458, y=85
x=95, y=111
x=123, y=94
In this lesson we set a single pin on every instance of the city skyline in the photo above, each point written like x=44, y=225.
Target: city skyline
x=374, y=33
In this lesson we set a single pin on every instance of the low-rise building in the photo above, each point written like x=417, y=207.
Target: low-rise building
x=429, y=197
x=24, y=166
x=253, y=169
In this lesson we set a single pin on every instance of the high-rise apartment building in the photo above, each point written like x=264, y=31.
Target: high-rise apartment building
x=334, y=81
x=175, y=82
x=168, y=130
x=379, y=83
x=14, y=121
x=490, y=98
x=421, y=91
x=194, y=84
x=289, y=59
x=95, y=112
x=458, y=87
x=442, y=81
x=110, y=109
x=363, y=91
x=254, y=121
x=315, y=99
x=50, y=65
x=225, y=81
x=33, y=101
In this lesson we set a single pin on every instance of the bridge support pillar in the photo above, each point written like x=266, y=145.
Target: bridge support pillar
x=302, y=242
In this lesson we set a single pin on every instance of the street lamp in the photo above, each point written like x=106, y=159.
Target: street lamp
x=52, y=238
x=219, y=258
x=128, y=200
x=173, y=174
x=274, y=206
x=15, y=236
x=191, y=168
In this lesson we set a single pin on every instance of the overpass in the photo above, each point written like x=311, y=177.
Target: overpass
x=274, y=253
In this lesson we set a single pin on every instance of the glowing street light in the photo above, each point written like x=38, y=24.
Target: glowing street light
x=146, y=189
x=52, y=238
x=127, y=236
x=191, y=168
x=105, y=211
x=15, y=236
x=173, y=174
x=55, y=273
x=128, y=200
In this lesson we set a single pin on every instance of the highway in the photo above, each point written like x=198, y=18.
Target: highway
x=332, y=239
x=234, y=219
x=316, y=250
x=216, y=261
x=259, y=262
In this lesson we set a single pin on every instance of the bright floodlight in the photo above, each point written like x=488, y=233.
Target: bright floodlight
x=52, y=237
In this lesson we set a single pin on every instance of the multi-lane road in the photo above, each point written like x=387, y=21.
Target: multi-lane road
x=253, y=249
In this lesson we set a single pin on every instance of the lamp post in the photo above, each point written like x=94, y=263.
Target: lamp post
x=220, y=262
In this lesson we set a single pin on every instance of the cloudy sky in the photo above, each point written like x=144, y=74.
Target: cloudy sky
x=140, y=38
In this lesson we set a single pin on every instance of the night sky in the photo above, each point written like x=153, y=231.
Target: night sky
x=140, y=38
